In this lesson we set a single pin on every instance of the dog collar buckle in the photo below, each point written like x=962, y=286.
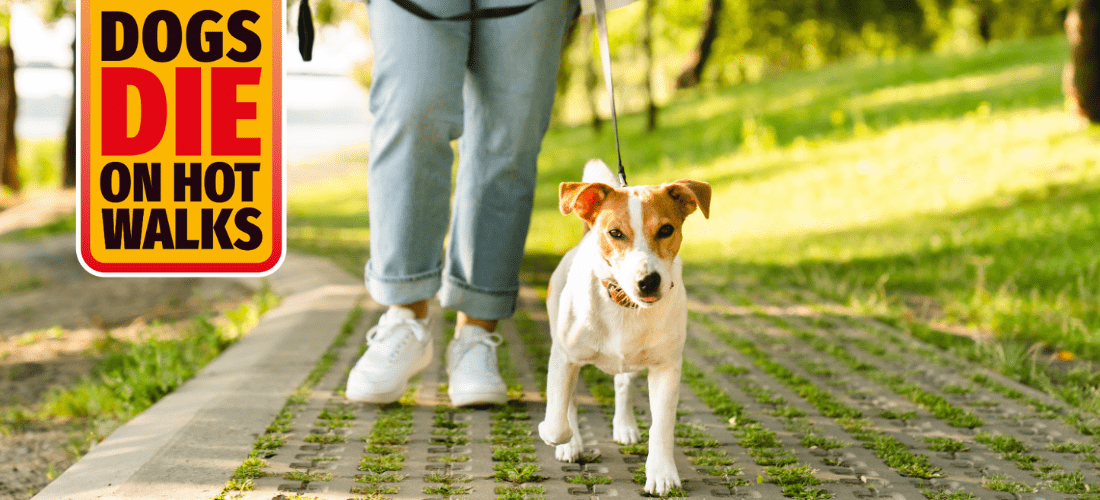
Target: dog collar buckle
x=617, y=294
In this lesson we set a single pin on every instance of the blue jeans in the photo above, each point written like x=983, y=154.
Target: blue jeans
x=433, y=82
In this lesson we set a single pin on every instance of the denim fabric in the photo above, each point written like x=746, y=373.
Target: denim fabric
x=433, y=82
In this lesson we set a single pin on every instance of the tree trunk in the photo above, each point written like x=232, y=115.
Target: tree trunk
x=693, y=74
x=9, y=163
x=647, y=46
x=70, y=134
x=1085, y=67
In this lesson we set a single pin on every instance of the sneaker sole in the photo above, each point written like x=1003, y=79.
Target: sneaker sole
x=389, y=397
x=478, y=398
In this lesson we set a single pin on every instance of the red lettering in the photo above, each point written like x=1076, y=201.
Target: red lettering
x=225, y=110
x=154, y=111
x=188, y=111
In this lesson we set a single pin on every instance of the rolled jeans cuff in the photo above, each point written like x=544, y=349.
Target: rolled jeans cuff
x=406, y=290
x=477, y=303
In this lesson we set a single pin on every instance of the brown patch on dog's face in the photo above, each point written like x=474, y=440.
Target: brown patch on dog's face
x=613, y=226
x=662, y=220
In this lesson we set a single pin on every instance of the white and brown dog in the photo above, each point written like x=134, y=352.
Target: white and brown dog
x=617, y=301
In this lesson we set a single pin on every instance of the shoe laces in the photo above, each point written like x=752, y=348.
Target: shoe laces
x=386, y=329
x=467, y=342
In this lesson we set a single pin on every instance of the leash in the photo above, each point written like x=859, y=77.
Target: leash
x=605, y=58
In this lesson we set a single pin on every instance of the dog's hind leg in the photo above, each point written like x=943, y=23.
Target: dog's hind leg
x=571, y=451
x=624, y=427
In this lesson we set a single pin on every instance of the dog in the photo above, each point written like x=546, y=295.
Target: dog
x=617, y=301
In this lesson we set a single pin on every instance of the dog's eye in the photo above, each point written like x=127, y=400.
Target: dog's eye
x=616, y=234
x=665, y=231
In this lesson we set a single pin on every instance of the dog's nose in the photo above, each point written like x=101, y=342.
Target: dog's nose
x=650, y=283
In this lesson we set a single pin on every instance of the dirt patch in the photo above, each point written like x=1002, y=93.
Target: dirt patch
x=53, y=313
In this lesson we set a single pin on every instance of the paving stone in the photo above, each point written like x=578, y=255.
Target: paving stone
x=329, y=456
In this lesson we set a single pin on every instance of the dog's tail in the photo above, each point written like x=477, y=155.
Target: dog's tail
x=598, y=171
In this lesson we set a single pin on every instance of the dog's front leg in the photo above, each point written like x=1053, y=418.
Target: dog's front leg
x=571, y=451
x=561, y=379
x=664, y=393
x=624, y=427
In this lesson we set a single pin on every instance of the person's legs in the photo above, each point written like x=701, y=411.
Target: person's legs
x=416, y=100
x=509, y=93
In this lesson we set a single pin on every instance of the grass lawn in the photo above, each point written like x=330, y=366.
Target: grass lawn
x=945, y=190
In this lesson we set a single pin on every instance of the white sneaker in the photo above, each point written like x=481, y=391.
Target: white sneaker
x=400, y=346
x=472, y=365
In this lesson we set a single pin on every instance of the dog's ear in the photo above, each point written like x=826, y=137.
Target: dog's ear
x=584, y=198
x=690, y=195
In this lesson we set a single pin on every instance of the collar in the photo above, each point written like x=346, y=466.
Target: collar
x=617, y=293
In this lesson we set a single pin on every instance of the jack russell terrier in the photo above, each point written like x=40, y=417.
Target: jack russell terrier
x=617, y=301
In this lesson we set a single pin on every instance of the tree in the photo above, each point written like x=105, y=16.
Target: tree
x=1083, y=81
x=694, y=71
x=54, y=11
x=9, y=163
x=647, y=47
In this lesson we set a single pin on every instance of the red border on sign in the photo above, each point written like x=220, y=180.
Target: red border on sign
x=153, y=268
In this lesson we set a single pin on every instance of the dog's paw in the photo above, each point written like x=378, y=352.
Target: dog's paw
x=625, y=432
x=554, y=435
x=660, y=477
x=571, y=451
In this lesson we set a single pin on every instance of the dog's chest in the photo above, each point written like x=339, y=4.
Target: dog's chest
x=618, y=346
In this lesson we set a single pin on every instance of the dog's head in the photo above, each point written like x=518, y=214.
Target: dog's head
x=638, y=229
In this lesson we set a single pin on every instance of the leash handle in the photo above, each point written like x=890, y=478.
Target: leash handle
x=605, y=58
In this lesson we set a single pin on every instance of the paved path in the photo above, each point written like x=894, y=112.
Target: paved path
x=870, y=413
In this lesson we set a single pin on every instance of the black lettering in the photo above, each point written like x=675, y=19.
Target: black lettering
x=181, y=231
x=246, y=170
x=228, y=182
x=174, y=38
x=106, y=184
x=184, y=181
x=213, y=38
x=252, y=43
x=110, y=50
x=255, y=235
x=146, y=181
x=158, y=230
x=210, y=229
x=122, y=230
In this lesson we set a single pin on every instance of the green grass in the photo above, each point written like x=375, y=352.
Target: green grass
x=129, y=376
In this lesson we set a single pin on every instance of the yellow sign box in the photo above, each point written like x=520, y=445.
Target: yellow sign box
x=181, y=126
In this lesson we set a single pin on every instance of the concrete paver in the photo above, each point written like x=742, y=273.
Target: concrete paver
x=843, y=396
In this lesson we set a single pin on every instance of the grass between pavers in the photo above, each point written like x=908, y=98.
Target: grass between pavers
x=1011, y=448
x=897, y=456
x=276, y=433
x=510, y=435
x=894, y=454
x=796, y=481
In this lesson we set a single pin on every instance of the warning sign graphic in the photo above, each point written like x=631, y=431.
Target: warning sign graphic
x=181, y=124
